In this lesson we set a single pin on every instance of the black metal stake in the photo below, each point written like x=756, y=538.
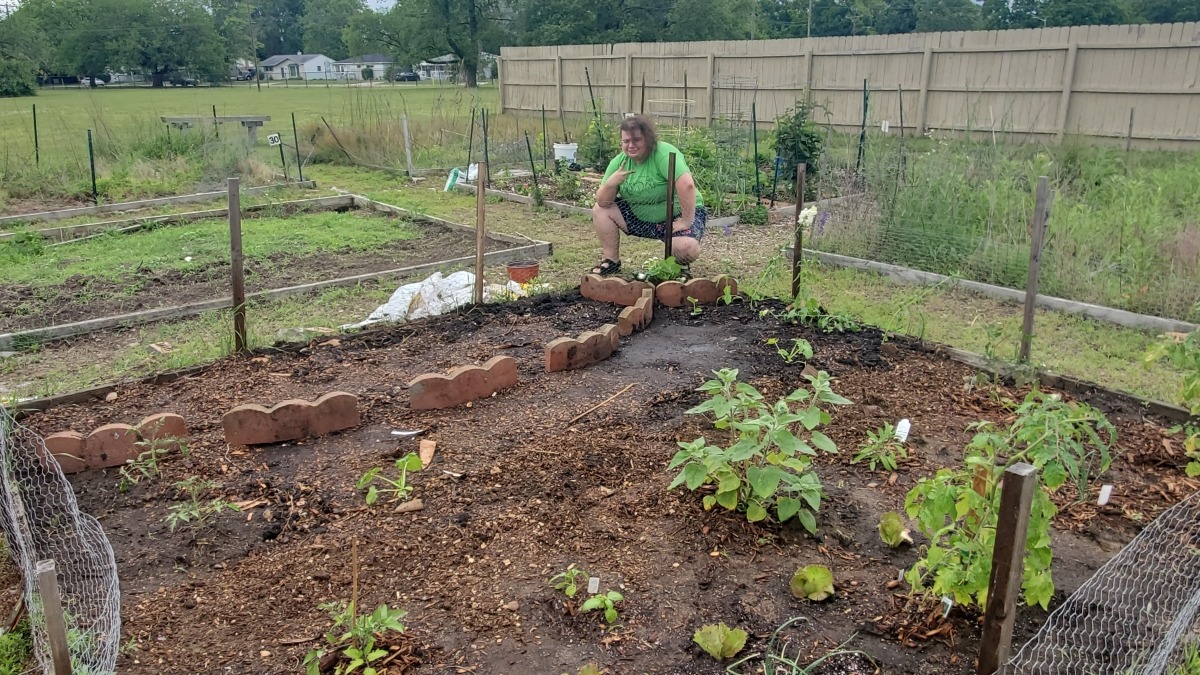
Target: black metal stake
x=537, y=189
x=862, y=134
x=296, y=140
x=775, y=181
x=754, y=131
x=283, y=161
x=92, y=161
x=642, y=106
x=685, y=100
x=471, y=141
x=37, y=148
x=588, y=75
x=545, y=141
x=216, y=127
x=669, y=226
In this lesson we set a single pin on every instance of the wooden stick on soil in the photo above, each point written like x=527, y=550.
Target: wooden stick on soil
x=599, y=405
x=480, y=230
x=798, y=244
x=235, y=263
x=354, y=579
x=56, y=625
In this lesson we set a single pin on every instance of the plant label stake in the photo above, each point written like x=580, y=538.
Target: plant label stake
x=275, y=140
x=593, y=585
x=798, y=244
x=235, y=265
x=480, y=231
x=669, y=230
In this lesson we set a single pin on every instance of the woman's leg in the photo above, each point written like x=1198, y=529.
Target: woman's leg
x=685, y=249
x=609, y=224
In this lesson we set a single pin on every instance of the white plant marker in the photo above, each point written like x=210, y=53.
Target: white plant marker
x=593, y=585
x=885, y=126
x=947, y=605
x=1105, y=494
x=902, y=428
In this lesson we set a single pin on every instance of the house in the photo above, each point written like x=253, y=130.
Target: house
x=298, y=67
x=356, y=68
x=445, y=68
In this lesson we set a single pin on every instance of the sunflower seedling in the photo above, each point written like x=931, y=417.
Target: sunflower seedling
x=398, y=488
x=606, y=601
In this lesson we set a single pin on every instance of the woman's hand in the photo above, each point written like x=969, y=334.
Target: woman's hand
x=618, y=177
x=681, y=225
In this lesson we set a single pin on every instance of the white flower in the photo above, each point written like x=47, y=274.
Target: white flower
x=807, y=216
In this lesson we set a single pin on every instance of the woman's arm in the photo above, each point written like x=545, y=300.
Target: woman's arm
x=607, y=194
x=685, y=188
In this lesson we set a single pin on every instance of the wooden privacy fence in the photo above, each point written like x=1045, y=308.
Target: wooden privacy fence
x=1140, y=83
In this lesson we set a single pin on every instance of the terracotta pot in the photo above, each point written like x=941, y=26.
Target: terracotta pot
x=522, y=271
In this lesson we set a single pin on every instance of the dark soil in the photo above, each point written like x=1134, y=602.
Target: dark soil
x=515, y=494
x=81, y=297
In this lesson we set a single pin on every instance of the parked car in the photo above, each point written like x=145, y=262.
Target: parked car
x=87, y=82
x=407, y=76
x=183, y=81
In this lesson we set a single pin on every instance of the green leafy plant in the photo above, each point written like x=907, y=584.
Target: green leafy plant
x=892, y=530
x=658, y=270
x=1183, y=352
x=720, y=641
x=776, y=660
x=812, y=582
x=356, y=637
x=727, y=297
x=568, y=185
x=569, y=581
x=881, y=449
x=194, y=512
x=398, y=488
x=598, y=145
x=589, y=669
x=696, y=309
x=764, y=464
x=757, y=214
x=607, y=601
x=145, y=466
x=808, y=310
x=799, y=141
x=800, y=347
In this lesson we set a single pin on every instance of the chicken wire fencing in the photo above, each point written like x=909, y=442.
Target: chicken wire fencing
x=1136, y=616
x=42, y=521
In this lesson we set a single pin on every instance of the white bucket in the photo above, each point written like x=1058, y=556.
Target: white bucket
x=565, y=151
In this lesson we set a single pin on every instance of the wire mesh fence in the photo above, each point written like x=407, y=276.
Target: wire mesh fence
x=42, y=521
x=1138, y=615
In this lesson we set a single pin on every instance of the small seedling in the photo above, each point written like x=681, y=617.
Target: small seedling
x=881, y=449
x=398, y=488
x=607, y=600
x=357, y=642
x=145, y=466
x=696, y=311
x=800, y=347
x=720, y=641
x=812, y=582
x=892, y=530
x=728, y=296
x=195, y=513
x=569, y=580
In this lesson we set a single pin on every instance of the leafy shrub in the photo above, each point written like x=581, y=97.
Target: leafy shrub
x=798, y=141
x=598, y=145
x=17, y=78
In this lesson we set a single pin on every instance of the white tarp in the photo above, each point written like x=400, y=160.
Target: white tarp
x=436, y=295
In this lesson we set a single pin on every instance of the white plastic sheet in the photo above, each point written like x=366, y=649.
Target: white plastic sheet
x=436, y=295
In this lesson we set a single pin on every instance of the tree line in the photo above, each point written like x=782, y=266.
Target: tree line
x=203, y=38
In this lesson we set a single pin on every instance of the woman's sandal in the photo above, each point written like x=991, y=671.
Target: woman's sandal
x=607, y=268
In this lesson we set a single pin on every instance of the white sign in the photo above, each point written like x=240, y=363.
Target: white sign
x=885, y=126
x=273, y=140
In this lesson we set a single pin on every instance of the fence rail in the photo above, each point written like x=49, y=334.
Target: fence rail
x=1140, y=84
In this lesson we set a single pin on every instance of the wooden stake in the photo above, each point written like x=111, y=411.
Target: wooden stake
x=798, y=243
x=1037, y=230
x=237, y=275
x=480, y=230
x=669, y=233
x=353, y=579
x=407, y=146
x=1008, y=557
x=1129, y=134
x=599, y=405
x=56, y=625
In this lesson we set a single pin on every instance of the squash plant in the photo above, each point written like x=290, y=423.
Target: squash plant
x=764, y=465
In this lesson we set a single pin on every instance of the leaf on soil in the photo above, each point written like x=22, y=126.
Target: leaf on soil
x=426, y=451
x=814, y=582
x=892, y=530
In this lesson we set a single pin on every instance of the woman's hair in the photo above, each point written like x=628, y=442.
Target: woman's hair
x=641, y=124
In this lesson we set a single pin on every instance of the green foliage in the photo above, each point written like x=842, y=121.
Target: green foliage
x=1189, y=664
x=812, y=582
x=881, y=449
x=892, y=530
x=16, y=649
x=568, y=185
x=598, y=145
x=720, y=641
x=765, y=465
x=798, y=141
x=806, y=309
x=569, y=581
x=607, y=601
x=145, y=466
x=657, y=270
x=17, y=78
x=356, y=638
x=1183, y=354
x=755, y=215
x=800, y=348
x=398, y=488
x=194, y=512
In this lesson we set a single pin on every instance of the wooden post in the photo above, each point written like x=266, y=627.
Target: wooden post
x=558, y=84
x=499, y=85
x=407, y=145
x=480, y=232
x=712, y=76
x=629, y=82
x=1068, y=80
x=1037, y=231
x=808, y=75
x=1008, y=563
x=798, y=241
x=56, y=625
x=669, y=229
x=1129, y=134
x=923, y=97
x=235, y=263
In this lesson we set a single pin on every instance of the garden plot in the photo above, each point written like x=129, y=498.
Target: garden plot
x=124, y=278
x=519, y=489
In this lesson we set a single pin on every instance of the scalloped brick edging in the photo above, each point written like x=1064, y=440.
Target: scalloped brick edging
x=637, y=317
x=590, y=347
x=612, y=290
x=463, y=384
x=115, y=444
x=289, y=420
x=704, y=291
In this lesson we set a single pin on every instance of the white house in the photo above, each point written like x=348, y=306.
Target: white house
x=298, y=67
x=352, y=69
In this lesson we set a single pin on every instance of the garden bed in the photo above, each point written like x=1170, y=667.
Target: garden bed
x=517, y=491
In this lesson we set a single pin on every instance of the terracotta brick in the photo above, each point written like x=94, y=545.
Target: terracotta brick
x=289, y=420
x=110, y=445
x=164, y=431
x=463, y=384
x=628, y=319
x=590, y=347
x=646, y=302
x=704, y=291
x=67, y=449
x=670, y=293
x=612, y=290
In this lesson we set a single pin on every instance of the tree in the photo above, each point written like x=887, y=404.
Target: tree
x=947, y=15
x=898, y=16
x=1084, y=12
x=708, y=20
x=324, y=22
x=1165, y=11
x=278, y=27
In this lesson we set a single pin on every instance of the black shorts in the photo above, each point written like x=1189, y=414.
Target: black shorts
x=640, y=228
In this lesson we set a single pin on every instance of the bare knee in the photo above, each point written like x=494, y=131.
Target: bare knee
x=685, y=249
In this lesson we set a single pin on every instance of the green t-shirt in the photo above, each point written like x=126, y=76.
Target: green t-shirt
x=645, y=189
